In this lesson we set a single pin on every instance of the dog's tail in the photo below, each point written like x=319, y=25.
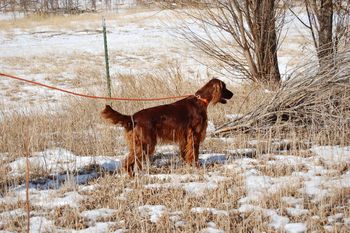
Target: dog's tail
x=115, y=117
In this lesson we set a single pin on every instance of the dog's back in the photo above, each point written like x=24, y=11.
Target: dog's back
x=167, y=121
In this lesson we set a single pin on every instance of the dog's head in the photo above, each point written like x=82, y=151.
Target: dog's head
x=215, y=91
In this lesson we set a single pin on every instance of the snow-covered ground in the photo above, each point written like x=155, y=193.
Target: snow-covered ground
x=283, y=191
x=140, y=43
x=313, y=178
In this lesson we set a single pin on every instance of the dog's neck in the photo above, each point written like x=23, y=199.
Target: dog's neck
x=205, y=101
x=208, y=92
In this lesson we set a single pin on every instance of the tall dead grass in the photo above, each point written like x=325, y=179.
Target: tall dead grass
x=78, y=128
x=135, y=15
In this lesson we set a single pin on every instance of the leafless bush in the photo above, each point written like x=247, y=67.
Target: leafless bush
x=242, y=36
x=313, y=99
x=329, y=25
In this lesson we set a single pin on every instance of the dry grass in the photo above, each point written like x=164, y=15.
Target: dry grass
x=109, y=195
x=78, y=128
x=277, y=170
x=328, y=206
x=136, y=15
x=56, y=21
x=17, y=222
x=67, y=217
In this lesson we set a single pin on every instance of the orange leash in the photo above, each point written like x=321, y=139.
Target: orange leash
x=90, y=96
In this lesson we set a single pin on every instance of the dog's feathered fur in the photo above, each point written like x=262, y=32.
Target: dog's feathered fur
x=183, y=122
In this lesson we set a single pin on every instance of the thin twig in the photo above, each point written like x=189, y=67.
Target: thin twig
x=27, y=152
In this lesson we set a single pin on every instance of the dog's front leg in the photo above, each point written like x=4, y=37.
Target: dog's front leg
x=192, y=148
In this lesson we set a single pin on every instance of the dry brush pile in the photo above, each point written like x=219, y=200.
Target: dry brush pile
x=311, y=99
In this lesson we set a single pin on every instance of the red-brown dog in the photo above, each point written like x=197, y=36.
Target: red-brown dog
x=183, y=122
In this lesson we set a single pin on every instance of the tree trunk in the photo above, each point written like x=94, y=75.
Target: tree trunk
x=325, y=19
x=266, y=43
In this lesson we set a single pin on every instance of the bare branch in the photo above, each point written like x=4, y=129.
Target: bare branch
x=312, y=98
x=299, y=19
x=312, y=25
x=245, y=40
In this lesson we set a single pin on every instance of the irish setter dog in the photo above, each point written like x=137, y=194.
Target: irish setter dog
x=183, y=122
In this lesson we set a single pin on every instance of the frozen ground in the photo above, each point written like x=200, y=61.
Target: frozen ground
x=314, y=178
x=140, y=43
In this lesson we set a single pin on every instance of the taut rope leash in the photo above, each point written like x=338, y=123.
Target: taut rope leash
x=91, y=96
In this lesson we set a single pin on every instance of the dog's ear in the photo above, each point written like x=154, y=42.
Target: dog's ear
x=216, y=92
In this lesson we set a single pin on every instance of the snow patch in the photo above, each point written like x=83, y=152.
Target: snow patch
x=296, y=212
x=12, y=213
x=71, y=199
x=210, y=127
x=347, y=221
x=195, y=188
x=59, y=159
x=335, y=218
x=97, y=213
x=99, y=227
x=124, y=194
x=249, y=152
x=293, y=201
x=210, y=210
x=259, y=187
x=153, y=211
x=295, y=227
x=277, y=221
x=209, y=159
x=211, y=230
x=332, y=155
x=175, y=178
x=41, y=224
x=233, y=116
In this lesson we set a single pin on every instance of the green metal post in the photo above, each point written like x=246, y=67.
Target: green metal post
x=106, y=58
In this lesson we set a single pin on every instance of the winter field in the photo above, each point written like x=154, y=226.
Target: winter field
x=246, y=183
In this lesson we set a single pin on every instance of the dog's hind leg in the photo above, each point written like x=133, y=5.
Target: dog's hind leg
x=134, y=150
x=142, y=145
x=148, y=144
x=129, y=163
x=147, y=149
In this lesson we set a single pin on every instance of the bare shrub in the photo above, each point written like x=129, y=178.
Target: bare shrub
x=241, y=36
x=311, y=100
x=328, y=23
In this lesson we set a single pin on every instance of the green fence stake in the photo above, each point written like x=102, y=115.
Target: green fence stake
x=106, y=57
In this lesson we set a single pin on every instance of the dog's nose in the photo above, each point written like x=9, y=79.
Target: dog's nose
x=228, y=94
